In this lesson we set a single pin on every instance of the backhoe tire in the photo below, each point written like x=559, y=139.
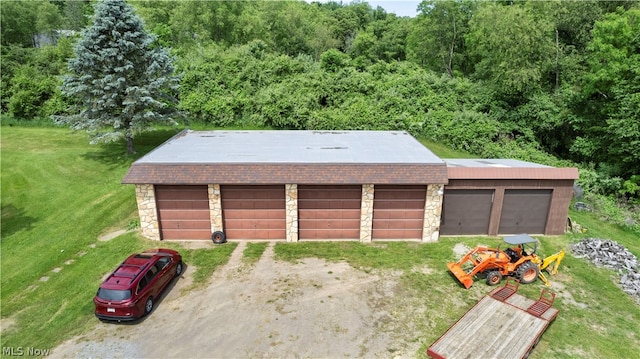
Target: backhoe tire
x=527, y=273
x=494, y=277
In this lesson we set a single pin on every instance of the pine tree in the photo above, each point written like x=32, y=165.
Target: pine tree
x=121, y=82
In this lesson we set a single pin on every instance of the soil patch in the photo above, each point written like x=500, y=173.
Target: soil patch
x=312, y=309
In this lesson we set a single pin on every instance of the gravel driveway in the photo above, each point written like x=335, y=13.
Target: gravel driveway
x=311, y=309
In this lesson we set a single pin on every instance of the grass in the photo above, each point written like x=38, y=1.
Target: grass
x=589, y=301
x=59, y=194
x=253, y=252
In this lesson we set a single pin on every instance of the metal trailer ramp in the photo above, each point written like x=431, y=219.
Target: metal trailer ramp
x=502, y=325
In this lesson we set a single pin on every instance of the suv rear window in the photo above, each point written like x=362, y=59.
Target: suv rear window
x=113, y=294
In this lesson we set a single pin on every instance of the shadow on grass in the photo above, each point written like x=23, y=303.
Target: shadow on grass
x=115, y=154
x=14, y=219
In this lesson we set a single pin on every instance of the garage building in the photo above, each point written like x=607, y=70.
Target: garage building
x=337, y=185
x=504, y=196
x=291, y=185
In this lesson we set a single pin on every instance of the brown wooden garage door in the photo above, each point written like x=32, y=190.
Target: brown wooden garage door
x=253, y=212
x=525, y=211
x=329, y=212
x=466, y=211
x=183, y=212
x=398, y=212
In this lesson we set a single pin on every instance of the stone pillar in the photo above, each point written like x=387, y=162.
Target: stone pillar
x=366, y=213
x=291, y=203
x=432, y=213
x=215, y=208
x=146, y=199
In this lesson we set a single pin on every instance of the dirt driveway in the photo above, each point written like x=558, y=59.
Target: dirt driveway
x=311, y=309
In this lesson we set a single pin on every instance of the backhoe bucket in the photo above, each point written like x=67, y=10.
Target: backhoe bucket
x=460, y=274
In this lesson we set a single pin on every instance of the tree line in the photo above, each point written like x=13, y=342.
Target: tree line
x=556, y=82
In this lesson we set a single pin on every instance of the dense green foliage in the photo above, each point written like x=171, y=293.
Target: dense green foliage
x=555, y=82
x=119, y=82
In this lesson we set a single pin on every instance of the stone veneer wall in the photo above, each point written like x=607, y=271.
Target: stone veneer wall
x=146, y=198
x=432, y=212
x=366, y=213
x=291, y=203
x=215, y=208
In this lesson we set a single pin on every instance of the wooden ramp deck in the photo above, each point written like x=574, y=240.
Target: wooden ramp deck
x=502, y=325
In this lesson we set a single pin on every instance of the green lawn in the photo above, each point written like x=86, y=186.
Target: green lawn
x=59, y=194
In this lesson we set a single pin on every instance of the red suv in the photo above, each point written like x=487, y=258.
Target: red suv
x=129, y=292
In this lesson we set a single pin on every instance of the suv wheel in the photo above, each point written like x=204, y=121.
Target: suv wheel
x=148, y=305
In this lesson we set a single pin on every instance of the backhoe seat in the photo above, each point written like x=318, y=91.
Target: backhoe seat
x=513, y=255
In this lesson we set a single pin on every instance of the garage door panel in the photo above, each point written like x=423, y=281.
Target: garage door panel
x=179, y=193
x=525, y=211
x=398, y=211
x=247, y=214
x=170, y=214
x=253, y=204
x=398, y=214
x=401, y=205
x=253, y=212
x=185, y=205
x=466, y=212
x=189, y=234
x=255, y=234
x=408, y=224
x=329, y=234
x=183, y=212
x=398, y=233
x=171, y=225
x=311, y=192
x=329, y=212
x=315, y=204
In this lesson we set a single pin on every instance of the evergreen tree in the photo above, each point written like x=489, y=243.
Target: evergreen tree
x=121, y=81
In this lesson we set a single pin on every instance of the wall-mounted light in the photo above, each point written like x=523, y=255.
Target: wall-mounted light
x=440, y=191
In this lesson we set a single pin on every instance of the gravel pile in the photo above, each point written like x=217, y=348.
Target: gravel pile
x=609, y=254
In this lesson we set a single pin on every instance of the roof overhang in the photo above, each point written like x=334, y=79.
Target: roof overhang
x=300, y=157
x=276, y=173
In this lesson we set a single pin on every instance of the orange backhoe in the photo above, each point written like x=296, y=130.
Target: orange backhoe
x=520, y=261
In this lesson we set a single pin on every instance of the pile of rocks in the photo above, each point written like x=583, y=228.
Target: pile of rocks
x=609, y=254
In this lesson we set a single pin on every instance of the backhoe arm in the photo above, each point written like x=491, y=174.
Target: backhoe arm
x=555, y=259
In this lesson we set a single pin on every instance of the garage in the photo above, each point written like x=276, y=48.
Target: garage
x=253, y=212
x=525, y=211
x=398, y=212
x=183, y=212
x=338, y=185
x=329, y=212
x=466, y=211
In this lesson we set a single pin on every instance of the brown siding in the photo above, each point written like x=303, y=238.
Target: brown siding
x=398, y=212
x=558, y=208
x=329, y=212
x=253, y=212
x=509, y=173
x=300, y=173
x=183, y=212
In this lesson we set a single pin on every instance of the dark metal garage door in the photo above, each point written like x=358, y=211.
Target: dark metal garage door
x=329, y=212
x=183, y=212
x=525, y=211
x=398, y=212
x=466, y=211
x=253, y=212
